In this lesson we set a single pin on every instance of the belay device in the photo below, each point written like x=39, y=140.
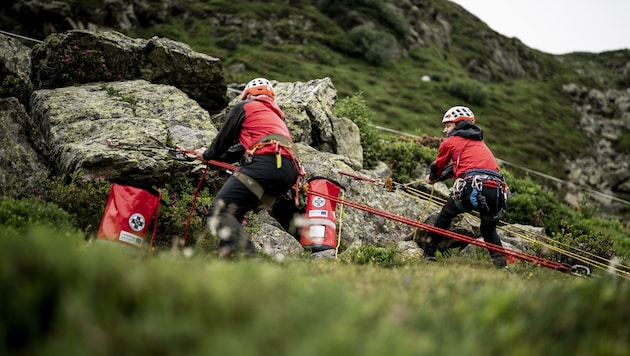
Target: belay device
x=319, y=230
x=128, y=214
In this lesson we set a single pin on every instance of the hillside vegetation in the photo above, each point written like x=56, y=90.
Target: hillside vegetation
x=527, y=120
x=381, y=48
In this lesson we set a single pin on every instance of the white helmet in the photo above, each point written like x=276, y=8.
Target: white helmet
x=457, y=114
x=258, y=86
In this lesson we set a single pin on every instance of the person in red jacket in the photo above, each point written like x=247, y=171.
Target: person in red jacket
x=268, y=167
x=478, y=185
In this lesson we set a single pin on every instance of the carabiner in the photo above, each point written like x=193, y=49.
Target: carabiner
x=580, y=271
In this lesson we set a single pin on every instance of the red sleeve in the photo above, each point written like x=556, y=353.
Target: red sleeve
x=444, y=156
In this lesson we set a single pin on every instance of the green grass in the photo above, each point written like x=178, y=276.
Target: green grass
x=96, y=300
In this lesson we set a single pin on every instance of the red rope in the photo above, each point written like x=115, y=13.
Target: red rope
x=450, y=234
x=231, y=167
x=357, y=177
x=194, y=202
x=196, y=193
x=155, y=223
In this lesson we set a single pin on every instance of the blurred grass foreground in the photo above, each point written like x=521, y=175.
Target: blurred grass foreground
x=61, y=296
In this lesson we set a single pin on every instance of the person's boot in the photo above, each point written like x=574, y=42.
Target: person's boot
x=499, y=260
x=428, y=248
x=429, y=252
x=233, y=240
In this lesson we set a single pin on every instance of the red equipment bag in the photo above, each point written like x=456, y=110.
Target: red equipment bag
x=320, y=228
x=128, y=214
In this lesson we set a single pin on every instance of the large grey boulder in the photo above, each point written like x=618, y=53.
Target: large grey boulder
x=79, y=57
x=116, y=130
x=603, y=169
x=22, y=170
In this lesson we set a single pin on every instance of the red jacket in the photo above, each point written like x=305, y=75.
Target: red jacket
x=247, y=123
x=464, y=147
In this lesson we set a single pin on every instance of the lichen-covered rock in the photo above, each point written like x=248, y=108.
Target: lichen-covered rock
x=117, y=130
x=79, y=57
x=22, y=170
x=15, y=69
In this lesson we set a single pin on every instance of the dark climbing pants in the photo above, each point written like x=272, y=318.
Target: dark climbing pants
x=451, y=209
x=234, y=199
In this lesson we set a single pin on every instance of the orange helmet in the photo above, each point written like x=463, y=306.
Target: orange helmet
x=457, y=114
x=258, y=86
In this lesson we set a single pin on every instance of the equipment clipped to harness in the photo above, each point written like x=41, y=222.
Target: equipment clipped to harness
x=477, y=199
x=128, y=214
x=458, y=188
x=320, y=228
x=476, y=180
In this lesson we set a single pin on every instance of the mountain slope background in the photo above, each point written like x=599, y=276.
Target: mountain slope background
x=410, y=59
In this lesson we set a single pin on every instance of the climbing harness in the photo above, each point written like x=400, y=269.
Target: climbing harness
x=279, y=143
x=478, y=179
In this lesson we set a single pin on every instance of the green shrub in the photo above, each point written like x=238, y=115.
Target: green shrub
x=404, y=155
x=532, y=205
x=85, y=198
x=585, y=233
x=21, y=214
x=470, y=92
x=581, y=241
x=79, y=65
x=15, y=86
x=376, y=46
x=175, y=212
x=356, y=109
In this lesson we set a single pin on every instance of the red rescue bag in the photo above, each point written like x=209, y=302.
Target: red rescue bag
x=320, y=227
x=128, y=214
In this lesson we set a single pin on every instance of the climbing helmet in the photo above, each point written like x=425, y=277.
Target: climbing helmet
x=457, y=114
x=258, y=86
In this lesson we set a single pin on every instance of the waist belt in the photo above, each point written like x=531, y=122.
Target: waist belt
x=255, y=188
x=280, y=142
x=489, y=178
x=484, y=174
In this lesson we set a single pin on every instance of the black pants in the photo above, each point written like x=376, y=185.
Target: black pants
x=234, y=199
x=489, y=218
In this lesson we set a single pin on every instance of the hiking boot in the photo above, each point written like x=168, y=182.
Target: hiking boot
x=499, y=261
x=239, y=246
x=429, y=250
